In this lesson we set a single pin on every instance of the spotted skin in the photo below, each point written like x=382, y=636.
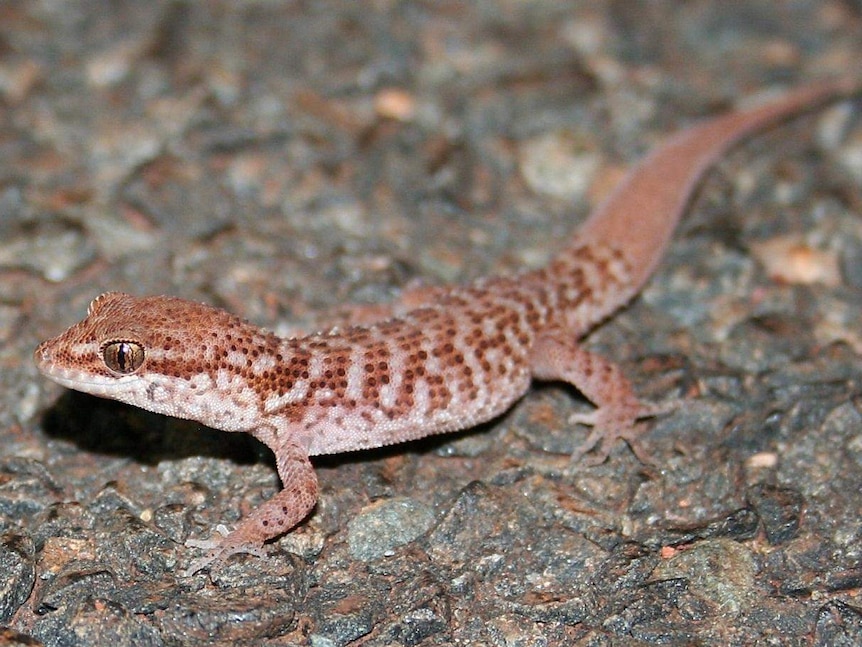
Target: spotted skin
x=460, y=358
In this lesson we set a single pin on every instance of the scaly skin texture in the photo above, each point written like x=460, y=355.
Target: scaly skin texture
x=463, y=357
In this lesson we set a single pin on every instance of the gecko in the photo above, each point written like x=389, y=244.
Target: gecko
x=463, y=356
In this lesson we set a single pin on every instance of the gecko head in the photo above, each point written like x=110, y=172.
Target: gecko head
x=145, y=351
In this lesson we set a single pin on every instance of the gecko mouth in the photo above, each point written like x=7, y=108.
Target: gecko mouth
x=71, y=378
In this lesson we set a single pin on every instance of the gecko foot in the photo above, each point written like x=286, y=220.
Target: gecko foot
x=219, y=549
x=613, y=422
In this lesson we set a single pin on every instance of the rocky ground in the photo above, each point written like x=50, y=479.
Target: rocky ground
x=283, y=159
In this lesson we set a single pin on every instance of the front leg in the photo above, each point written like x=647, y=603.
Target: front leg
x=275, y=517
x=556, y=356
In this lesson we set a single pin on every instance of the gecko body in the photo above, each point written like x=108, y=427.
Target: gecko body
x=462, y=358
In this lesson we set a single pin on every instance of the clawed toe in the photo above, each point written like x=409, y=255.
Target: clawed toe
x=219, y=549
x=611, y=423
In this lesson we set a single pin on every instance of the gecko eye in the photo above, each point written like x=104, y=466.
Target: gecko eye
x=123, y=357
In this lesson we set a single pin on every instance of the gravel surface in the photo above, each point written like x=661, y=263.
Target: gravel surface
x=284, y=159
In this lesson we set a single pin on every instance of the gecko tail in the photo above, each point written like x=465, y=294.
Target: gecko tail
x=640, y=215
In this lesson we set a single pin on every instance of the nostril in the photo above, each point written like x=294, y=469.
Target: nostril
x=41, y=354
